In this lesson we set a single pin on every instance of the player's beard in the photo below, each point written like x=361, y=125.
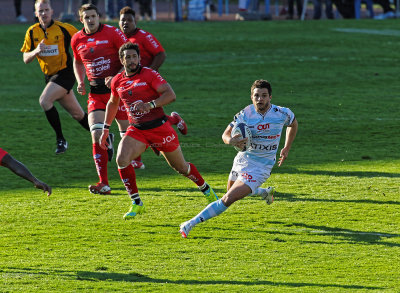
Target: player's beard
x=131, y=69
x=262, y=107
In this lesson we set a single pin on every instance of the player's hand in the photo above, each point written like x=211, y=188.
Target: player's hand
x=142, y=107
x=81, y=89
x=41, y=47
x=284, y=154
x=43, y=186
x=107, y=81
x=103, y=139
x=236, y=141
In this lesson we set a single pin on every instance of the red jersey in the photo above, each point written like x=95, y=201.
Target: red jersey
x=99, y=51
x=141, y=87
x=149, y=46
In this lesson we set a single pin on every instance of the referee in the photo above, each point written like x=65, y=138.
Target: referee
x=49, y=42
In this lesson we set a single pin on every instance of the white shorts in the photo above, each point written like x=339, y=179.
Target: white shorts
x=250, y=172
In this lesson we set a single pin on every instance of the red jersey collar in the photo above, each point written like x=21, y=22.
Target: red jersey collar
x=98, y=30
x=134, y=32
x=137, y=72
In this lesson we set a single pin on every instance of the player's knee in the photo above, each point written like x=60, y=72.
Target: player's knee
x=122, y=161
x=96, y=130
x=45, y=103
x=227, y=200
x=78, y=115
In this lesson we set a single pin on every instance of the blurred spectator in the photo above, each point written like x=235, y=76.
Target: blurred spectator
x=242, y=5
x=145, y=9
x=388, y=11
x=346, y=8
x=283, y=10
x=110, y=8
x=318, y=9
x=299, y=6
x=19, y=16
x=94, y=2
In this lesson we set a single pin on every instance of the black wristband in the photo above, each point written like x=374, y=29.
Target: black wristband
x=105, y=126
x=152, y=104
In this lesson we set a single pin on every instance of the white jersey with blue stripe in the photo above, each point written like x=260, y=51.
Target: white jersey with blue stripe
x=266, y=130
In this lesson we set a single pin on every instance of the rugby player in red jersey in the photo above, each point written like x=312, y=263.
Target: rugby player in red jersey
x=144, y=92
x=152, y=55
x=95, y=49
x=21, y=170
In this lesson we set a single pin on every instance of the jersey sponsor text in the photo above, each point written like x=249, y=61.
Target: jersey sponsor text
x=51, y=50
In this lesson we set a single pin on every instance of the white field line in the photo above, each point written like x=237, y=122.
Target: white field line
x=19, y=110
x=330, y=118
x=356, y=119
x=393, y=33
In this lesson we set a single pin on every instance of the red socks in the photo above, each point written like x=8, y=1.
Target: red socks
x=194, y=175
x=128, y=177
x=172, y=119
x=100, y=157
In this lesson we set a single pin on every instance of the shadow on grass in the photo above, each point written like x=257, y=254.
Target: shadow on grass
x=348, y=234
x=121, y=190
x=292, y=197
x=136, y=277
x=359, y=174
x=140, y=278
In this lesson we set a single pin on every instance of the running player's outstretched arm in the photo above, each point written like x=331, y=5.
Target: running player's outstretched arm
x=226, y=136
x=29, y=56
x=22, y=171
x=234, y=141
x=158, y=60
x=79, y=71
x=111, y=111
x=291, y=132
x=167, y=95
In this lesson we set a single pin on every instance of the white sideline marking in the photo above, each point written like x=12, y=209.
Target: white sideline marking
x=356, y=119
x=212, y=115
x=219, y=64
x=394, y=33
x=18, y=110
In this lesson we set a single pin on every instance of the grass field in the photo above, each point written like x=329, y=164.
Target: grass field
x=334, y=225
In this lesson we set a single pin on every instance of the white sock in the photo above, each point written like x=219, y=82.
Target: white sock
x=259, y=191
x=212, y=210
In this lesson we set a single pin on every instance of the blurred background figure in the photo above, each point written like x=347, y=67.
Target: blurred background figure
x=299, y=6
x=145, y=10
x=19, y=16
x=94, y=2
x=110, y=8
x=318, y=9
x=388, y=11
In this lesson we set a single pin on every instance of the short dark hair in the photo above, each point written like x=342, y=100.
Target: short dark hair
x=127, y=10
x=86, y=7
x=261, y=84
x=128, y=46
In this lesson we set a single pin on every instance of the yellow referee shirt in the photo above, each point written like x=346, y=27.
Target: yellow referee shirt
x=58, y=40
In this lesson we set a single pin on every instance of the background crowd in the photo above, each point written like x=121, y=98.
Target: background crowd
x=288, y=9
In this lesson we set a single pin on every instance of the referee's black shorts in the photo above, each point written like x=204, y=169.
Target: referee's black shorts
x=64, y=78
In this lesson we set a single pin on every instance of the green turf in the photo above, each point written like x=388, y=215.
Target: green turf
x=334, y=225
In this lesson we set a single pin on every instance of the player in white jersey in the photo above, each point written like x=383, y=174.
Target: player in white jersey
x=252, y=167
